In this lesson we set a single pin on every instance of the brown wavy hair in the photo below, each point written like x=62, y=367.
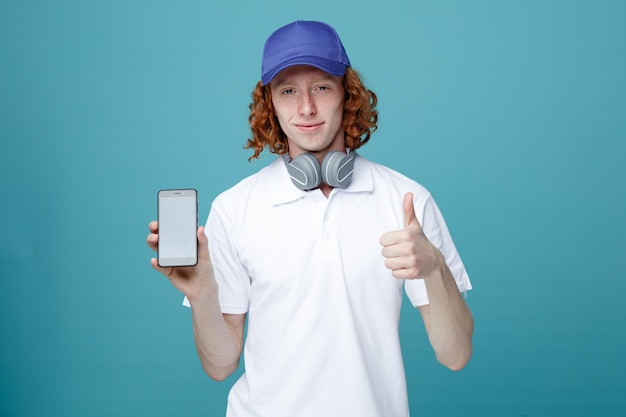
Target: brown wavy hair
x=359, y=117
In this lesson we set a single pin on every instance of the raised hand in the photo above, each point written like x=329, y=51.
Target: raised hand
x=192, y=281
x=408, y=252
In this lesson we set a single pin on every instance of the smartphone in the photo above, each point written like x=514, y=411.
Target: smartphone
x=178, y=225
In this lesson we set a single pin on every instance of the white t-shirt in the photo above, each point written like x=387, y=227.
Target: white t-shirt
x=323, y=310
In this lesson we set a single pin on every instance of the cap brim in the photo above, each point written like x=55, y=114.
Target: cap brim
x=332, y=67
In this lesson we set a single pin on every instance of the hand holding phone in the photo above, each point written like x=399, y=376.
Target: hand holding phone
x=178, y=224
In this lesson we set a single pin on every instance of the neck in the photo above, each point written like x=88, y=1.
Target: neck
x=325, y=189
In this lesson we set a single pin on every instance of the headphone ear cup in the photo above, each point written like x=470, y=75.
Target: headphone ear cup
x=304, y=171
x=337, y=169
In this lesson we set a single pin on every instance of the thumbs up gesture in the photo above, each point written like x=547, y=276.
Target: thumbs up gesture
x=408, y=252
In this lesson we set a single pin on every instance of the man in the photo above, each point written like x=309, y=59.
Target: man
x=315, y=249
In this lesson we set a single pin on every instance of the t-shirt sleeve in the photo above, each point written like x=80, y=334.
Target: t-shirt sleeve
x=436, y=231
x=231, y=275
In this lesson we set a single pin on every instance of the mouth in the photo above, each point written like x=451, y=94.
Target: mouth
x=307, y=127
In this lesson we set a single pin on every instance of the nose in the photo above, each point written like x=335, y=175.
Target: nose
x=306, y=107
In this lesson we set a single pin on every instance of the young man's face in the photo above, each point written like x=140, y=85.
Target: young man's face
x=309, y=106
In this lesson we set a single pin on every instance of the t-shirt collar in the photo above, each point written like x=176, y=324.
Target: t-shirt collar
x=281, y=189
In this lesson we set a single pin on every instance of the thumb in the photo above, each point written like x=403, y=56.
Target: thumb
x=202, y=238
x=409, y=211
x=203, y=244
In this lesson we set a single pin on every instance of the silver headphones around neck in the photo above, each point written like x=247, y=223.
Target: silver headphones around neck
x=306, y=173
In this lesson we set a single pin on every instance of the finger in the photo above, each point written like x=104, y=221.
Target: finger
x=394, y=249
x=203, y=242
x=410, y=218
x=155, y=264
x=202, y=239
x=394, y=237
x=409, y=211
x=153, y=241
x=400, y=268
x=388, y=239
x=165, y=271
x=153, y=226
x=403, y=273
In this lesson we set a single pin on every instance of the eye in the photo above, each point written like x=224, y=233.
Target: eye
x=288, y=91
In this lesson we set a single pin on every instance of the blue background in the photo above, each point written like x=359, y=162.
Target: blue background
x=512, y=113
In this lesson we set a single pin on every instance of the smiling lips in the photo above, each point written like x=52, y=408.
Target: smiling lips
x=308, y=126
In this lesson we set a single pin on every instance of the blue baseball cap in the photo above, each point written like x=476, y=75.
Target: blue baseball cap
x=303, y=43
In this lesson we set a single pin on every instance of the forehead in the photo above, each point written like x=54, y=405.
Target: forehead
x=298, y=73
